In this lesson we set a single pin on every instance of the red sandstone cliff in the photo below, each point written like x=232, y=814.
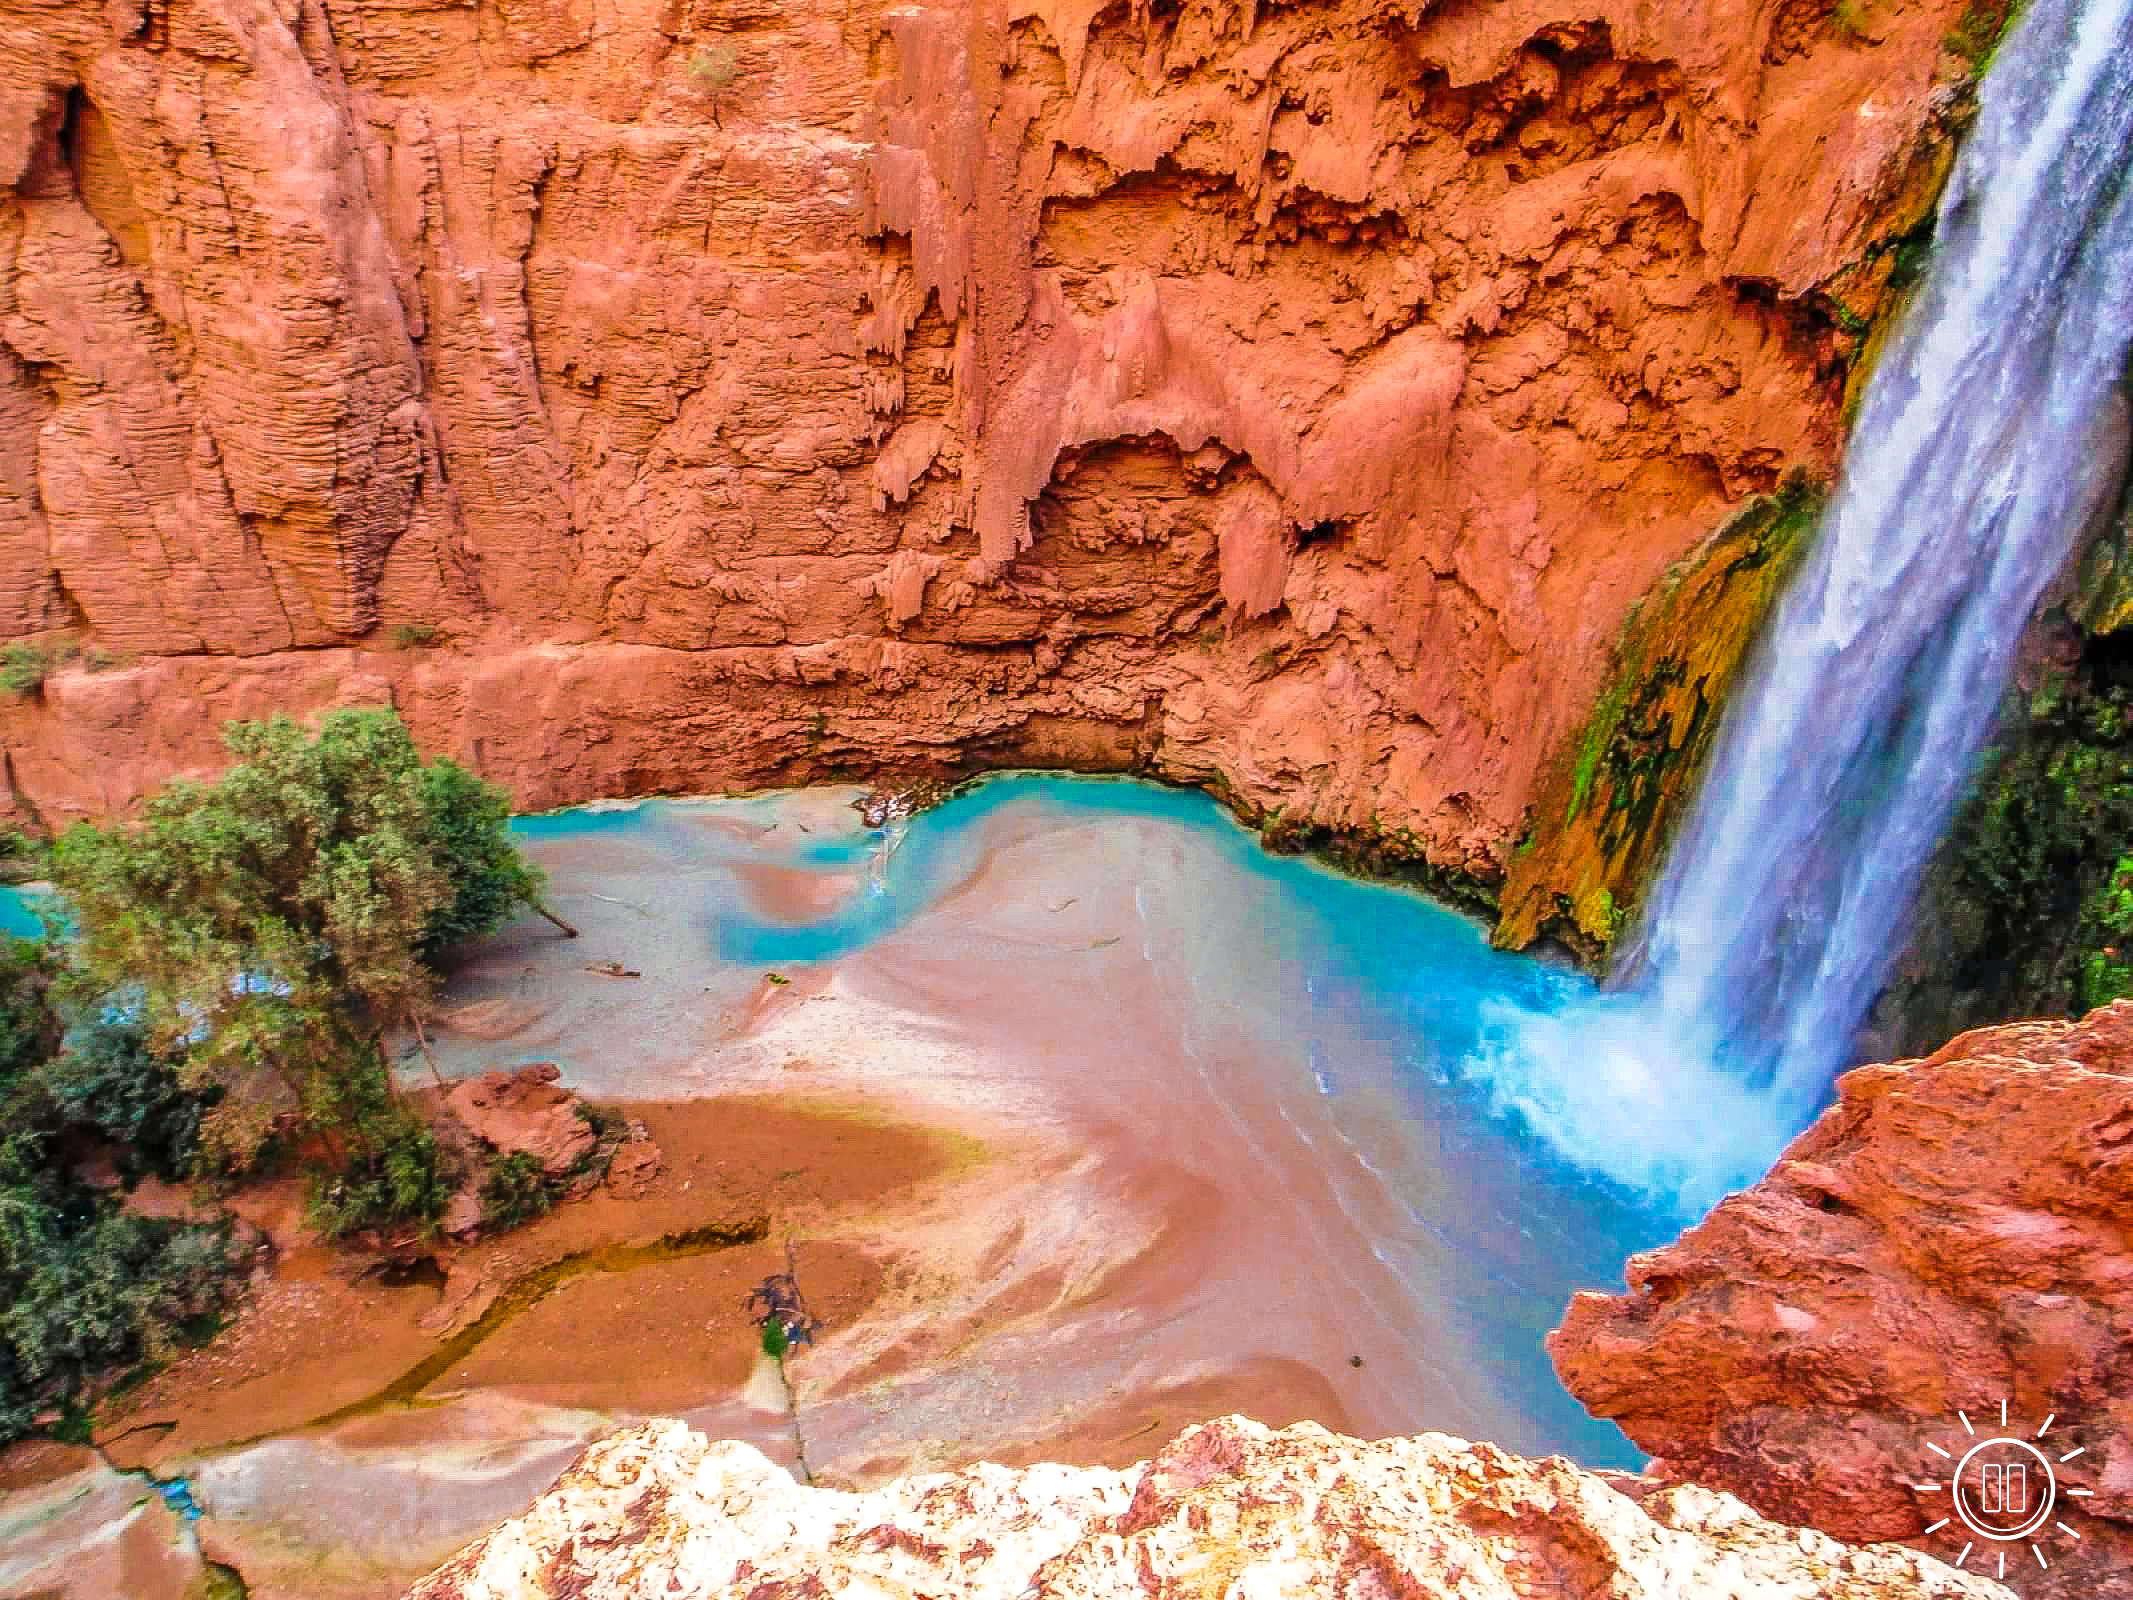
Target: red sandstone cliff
x=1954, y=1232
x=1300, y=394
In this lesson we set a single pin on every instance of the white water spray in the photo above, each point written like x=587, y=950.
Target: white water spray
x=1992, y=432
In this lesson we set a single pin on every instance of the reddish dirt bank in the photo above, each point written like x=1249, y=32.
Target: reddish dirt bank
x=315, y=1337
x=1300, y=395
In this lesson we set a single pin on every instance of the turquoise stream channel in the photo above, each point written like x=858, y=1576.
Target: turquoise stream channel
x=18, y=913
x=1360, y=984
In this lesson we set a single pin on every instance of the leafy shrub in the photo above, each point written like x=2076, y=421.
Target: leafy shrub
x=2107, y=918
x=121, y=1288
x=515, y=1191
x=609, y=1126
x=714, y=68
x=30, y=1027
x=395, y=1178
x=23, y=669
x=25, y=664
x=386, y=1169
x=85, y=1286
x=112, y=1080
x=15, y=845
x=413, y=635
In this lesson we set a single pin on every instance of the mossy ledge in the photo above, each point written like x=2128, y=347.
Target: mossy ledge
x=1613, y=791
x=2027, y=907
x=1370, y=850
x=1857, y=306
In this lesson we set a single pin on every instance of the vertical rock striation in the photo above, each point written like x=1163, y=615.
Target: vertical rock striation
x=1295, y=398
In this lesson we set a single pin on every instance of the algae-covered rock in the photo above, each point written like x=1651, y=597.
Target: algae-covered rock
x=2103, y=588
x=1604, y=812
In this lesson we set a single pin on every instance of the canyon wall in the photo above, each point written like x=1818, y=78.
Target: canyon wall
x=684, y=394
x=1949, y=1238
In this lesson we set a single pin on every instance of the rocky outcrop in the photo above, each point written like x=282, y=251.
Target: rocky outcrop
x=1952, y=1234
x=1296, y=397
x=525, y=1112
x=92, y=1533
x=1226, y=1509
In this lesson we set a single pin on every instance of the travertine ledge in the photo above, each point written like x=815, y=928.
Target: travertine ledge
x=1229, y=1508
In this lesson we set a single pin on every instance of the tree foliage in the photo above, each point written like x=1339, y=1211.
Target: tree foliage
x=233, y=962
x=29, y=1024
x=516, y=1190
x=276, y=921
x=394, y=1172
x=111, y=1081
x=489, y=879
x=85, y=1285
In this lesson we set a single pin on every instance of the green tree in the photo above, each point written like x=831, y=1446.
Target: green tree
x=86, y=1286
x=490, y=880
x=29, y=1025
x=275, y=922
x=112, y=1081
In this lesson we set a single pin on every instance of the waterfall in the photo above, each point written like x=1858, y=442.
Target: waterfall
x=1991, y=434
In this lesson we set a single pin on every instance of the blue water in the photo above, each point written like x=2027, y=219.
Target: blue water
x=177, y=1493
x=18, y=913
x=1500, y=1228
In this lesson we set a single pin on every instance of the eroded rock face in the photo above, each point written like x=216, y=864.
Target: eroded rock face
x=1229, y=1508
x=1297, y=395
x=1953, y=1233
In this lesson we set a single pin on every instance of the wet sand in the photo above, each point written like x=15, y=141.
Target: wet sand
x=1173, y=1225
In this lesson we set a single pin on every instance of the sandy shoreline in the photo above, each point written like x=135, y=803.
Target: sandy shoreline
x=1040, y=1154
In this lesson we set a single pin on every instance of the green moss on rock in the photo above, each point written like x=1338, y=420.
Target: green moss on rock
x=1388, y=855
x=2027, y=908
x=1623, y=777
x=2103, y=586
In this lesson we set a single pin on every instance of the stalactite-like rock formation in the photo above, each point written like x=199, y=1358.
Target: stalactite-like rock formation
x=1296, y=396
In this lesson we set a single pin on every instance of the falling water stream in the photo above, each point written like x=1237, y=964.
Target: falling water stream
x=1992, y=434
